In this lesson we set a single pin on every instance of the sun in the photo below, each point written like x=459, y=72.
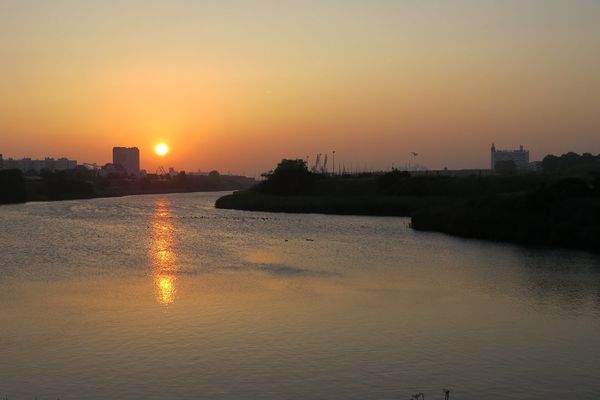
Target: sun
x=161, y=149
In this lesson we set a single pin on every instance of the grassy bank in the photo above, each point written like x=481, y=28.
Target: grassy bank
x=558, y=209
x=525, y=218
x=15, y=187
x=376, y=205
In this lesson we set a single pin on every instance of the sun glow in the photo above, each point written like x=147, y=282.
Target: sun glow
x=161, y=149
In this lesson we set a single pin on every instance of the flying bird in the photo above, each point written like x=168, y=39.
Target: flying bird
x=414, y=154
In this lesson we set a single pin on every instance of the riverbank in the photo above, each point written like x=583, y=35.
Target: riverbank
x=83, y=184
x=572, y=223
x=566, y=223
x=539, y=210
x=375, y=205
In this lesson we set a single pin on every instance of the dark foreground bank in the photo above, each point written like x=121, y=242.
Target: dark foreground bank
x=377, y=205
x=81, y=183
x=525, y=218
x=556, y=210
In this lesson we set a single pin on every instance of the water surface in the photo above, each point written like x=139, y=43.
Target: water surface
x=163, y=296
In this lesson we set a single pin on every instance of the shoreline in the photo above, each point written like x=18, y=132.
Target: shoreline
x=514, y=218
x=81, y=184
x=108, y=196
x=363, y=205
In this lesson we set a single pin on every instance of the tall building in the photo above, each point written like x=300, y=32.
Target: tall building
x=520, y=157
x=28, y=164
x=128, y=158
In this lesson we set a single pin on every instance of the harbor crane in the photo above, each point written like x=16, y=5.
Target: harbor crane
x=324, y=168
x=320, y=165
x=317, y=165
x=160, y=171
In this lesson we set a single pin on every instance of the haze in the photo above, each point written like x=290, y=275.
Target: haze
x=236, y=86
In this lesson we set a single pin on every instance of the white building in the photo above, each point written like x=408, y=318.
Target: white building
x=28, y=164
x=520, y=157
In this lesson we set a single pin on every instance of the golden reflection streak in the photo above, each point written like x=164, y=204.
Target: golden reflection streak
x=164, y=267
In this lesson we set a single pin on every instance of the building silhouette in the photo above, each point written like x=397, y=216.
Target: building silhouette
x=128, y=158
x=28, y=164
x=520, y=157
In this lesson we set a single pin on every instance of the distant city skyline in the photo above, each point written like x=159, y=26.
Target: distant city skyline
x=130, y=159
x=237, y=86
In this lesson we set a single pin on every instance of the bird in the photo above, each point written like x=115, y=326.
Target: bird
x=414, y=154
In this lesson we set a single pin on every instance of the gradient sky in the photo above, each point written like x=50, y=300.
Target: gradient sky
x=238, y=85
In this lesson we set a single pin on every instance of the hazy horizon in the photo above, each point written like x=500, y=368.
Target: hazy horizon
x=236, y=86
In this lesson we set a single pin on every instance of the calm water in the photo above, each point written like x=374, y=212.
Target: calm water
x=165, y=297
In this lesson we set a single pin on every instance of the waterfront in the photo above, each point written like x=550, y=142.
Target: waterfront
x=164, y=296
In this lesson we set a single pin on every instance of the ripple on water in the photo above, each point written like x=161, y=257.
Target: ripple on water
x=164, y=296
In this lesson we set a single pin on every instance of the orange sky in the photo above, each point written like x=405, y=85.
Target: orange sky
x=236, y=86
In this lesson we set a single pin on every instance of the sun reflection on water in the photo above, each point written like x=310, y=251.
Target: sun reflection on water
x=163, y=257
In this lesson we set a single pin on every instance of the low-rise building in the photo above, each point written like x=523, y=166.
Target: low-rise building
x=29, y=164
x=112, y=170
x=519, y=157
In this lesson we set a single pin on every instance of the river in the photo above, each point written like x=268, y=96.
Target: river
x=166, y=297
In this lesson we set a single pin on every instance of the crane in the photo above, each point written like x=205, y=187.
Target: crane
x=317, y=165
x=160, y=171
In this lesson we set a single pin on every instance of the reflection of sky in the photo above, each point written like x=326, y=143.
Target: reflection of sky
x=369, y=309
x=161, y=252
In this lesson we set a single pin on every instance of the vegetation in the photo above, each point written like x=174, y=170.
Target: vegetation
x=402, y=183
x=82, y=183
x=12, y=186
x=571, y=163
x=326, y=204
x=565, y=213
x=559, y=207
x=291, y=177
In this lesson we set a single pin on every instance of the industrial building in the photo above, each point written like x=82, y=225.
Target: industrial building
x=28, y=164
x=520, y=157
x=128, y=158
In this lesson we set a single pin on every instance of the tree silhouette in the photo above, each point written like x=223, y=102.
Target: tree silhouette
x=12, y=186
x=289, y=177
